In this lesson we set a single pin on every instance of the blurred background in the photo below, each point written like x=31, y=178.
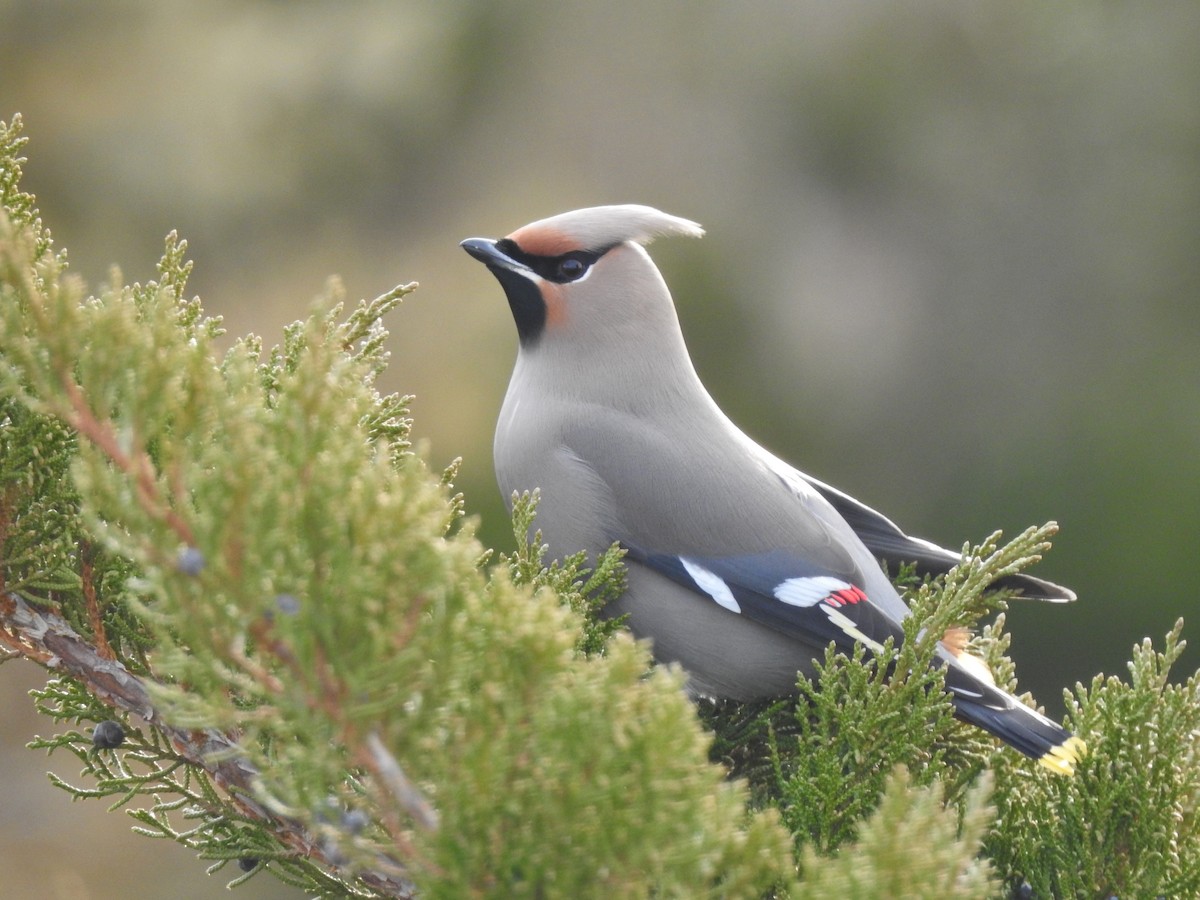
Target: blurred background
x=951, y=263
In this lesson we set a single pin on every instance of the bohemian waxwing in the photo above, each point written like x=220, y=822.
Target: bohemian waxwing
x=740, y=568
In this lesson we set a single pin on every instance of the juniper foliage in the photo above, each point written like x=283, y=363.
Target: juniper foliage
x=321, y=674
x=253, y=535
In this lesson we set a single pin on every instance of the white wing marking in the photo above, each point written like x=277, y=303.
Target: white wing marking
x=847, y=625
x=712, y=585
x=808, y=591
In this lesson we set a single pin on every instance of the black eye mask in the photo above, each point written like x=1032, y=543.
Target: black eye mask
x=561, y=269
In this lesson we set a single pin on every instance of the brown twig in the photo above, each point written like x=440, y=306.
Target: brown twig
x=387, y=769
x=138, y=466
x=95, y=619
x=48, y=639
x=328, y=696
x=13, y=642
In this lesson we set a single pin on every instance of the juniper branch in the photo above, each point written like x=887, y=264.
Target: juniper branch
x=49, y=640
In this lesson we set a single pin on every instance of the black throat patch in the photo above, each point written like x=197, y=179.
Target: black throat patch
x=526, y=302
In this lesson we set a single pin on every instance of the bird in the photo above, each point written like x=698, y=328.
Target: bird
x=739, y=567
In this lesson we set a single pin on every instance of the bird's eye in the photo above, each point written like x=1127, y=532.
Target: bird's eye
x=571, y=269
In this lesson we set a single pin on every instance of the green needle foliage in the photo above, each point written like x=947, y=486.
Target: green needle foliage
x=320, y=673
x=864, y=716
x=582, y=587
x=883, y=862
x=1129, y=824
x=336, y=677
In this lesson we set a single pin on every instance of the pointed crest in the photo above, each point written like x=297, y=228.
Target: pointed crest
x=599, y=227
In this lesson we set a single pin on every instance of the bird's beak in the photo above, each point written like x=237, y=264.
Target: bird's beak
x=484, y=250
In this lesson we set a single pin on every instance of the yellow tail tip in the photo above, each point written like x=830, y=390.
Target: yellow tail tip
x=1061, y=759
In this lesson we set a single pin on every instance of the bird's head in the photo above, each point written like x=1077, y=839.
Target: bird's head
x=582, y=276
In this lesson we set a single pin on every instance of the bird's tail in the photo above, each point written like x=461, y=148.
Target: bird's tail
x=1022, y=728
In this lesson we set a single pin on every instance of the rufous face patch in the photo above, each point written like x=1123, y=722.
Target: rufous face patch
x=556, y=304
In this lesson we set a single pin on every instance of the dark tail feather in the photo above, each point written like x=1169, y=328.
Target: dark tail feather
x=1018, y=726
x=886, y=541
